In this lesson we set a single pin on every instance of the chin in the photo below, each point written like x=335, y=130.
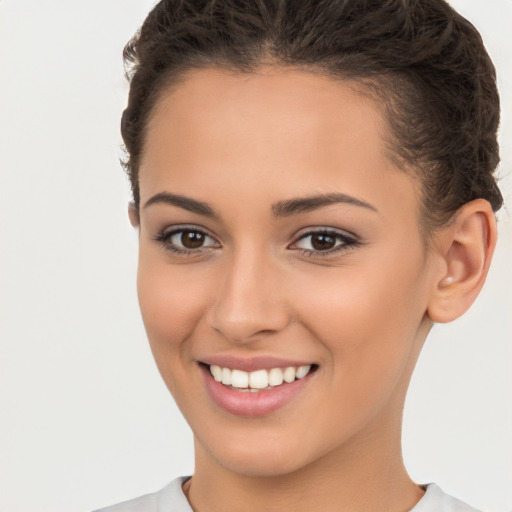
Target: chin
x=259, y=458
x=256, y=467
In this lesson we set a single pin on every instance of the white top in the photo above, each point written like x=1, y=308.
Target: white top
x=172, y=499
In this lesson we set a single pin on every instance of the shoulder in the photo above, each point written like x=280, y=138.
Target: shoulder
x=435, y=500
x=168, y=499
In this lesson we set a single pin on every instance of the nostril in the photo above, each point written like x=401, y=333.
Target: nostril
x=245, y=331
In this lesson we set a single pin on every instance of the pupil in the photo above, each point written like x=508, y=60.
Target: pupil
x=322, y=242
x=192, y=239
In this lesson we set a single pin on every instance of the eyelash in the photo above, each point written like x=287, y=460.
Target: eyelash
x=347, y=242
x=164, y=237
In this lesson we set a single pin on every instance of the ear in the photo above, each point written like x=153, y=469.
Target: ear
x=133, y=214
x=466, y=248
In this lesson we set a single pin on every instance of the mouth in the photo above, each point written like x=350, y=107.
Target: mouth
x=258, y=389
x=259, y=380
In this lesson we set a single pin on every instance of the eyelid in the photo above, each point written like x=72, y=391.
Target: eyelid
x=165, y=235
x=314, y=230
x=350, y=241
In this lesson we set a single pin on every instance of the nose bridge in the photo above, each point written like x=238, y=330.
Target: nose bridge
x=249, y=300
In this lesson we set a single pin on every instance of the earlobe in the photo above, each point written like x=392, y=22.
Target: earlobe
x=467, y=246
x=133, y=214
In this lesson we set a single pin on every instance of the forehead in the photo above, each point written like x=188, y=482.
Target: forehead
x=290, y=131
x=285, y=106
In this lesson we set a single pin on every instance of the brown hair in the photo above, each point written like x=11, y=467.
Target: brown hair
x=425, y=62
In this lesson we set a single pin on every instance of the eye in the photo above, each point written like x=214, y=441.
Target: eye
x=186, y=240
x=324, y=242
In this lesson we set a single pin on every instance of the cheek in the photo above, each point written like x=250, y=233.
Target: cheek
x=367, y=317
x=364, y=305
x=172, y=302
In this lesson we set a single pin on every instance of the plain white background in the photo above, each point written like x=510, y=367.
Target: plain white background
x=85, y=418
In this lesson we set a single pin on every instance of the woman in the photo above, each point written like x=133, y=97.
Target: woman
x=313, y=189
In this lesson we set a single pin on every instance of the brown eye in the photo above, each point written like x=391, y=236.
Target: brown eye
x=186, y=240
x=192, y=239
x=323, y=241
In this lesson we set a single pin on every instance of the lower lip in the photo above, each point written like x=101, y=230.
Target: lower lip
x=252, y=403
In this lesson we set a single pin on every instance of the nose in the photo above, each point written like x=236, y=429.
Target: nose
x=249, y=303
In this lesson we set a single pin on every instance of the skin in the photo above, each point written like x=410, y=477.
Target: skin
x=241, y=144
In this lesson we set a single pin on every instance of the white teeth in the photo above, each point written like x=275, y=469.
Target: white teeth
x=226, y=376
x=289, y=374
x=275, y=377
x=216, y=371
x=239, y=379
x=259, y=379
x=302, y=371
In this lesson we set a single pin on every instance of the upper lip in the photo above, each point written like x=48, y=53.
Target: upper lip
x=253, y=363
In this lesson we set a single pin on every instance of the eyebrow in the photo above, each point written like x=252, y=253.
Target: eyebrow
x=187, y=203
x=307, y=204
x=280, y=209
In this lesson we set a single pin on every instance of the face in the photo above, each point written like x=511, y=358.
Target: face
x=276, y=233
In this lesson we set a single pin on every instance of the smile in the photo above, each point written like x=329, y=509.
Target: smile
x=261, y=388
x=260, y=379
